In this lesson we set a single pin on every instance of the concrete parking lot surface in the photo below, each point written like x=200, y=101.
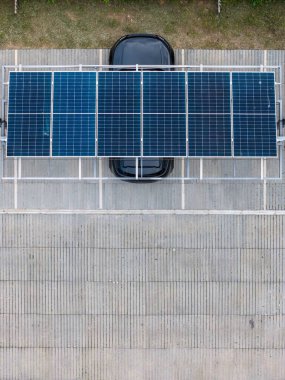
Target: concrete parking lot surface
x=114, y=280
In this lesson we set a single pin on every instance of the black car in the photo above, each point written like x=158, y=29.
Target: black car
x=142, y=49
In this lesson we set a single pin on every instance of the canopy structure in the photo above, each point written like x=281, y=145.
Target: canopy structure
x=142, y=114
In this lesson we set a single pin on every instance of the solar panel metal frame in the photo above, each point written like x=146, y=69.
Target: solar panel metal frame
x=187, y=143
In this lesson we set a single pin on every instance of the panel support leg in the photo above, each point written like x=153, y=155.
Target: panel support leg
x=183, y=184
x=79, y=168
x=137, y=168
x=15, y=183
x=188, y=168
x=100, y=184
x=280, y=161
x=201, y=168
x=95, y=168
x=263, y=177
x=19, y=167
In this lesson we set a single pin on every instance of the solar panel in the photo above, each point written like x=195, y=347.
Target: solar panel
x=209, y=120
x=164, y=114
x=74, y=107
x=29, y=114
x=119, y=114
x=254, y=119
x=75, y=113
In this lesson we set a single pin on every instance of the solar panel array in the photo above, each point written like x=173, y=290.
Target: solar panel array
x=151, y=114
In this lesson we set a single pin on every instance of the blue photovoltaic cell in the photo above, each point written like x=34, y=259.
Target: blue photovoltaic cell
x=119, y=92
x=121, y=141
x=119, y=114
x=164, y=114
x=254, y=114
x=209, y=92
x=253, y=93
x=73, y=135
x=164, y=92
x=209, y=135
x=74, y=92
x=164, y=135
x=74, y=107
x=255, y=135
x=28, y=135
x=29, y=114
x=209, y=107
x=29, y=92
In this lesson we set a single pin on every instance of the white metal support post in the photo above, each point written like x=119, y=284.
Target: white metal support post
x=96, y=119
x=141, y=126
x=100, y=159
x=3, y=118
x=263, y=177
x=20, y=69
x=100, y=184
x=201, y=168
x=281, y=148
x=263, y=160
x=79, y=168
x=79, y=158
x=187, y=149
x=51, y=114
x=15, y=183
x=201, y=159
x=19, y=168
x=232, y=113
x=137, y=168
x=232, y=122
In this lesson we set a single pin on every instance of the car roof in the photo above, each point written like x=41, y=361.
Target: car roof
x=143, y=49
